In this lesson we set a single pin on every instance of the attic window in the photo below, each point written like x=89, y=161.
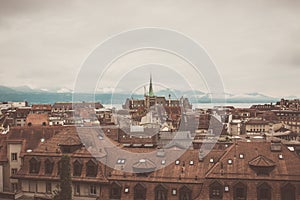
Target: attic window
x=34, y=165
x=229, y=161
x=280, y=156
x=163, y=162
x=191, y=162
x=115, y=191
x=121, y=161
x=241, y=156
x=211, y=160
x=77, y=167
x=177, y=162
x=91, y=168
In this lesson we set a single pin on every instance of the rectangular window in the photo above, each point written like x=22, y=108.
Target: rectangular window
x=77, y=189
x=93, y=190
x=32, y=186
x=14, y=156
x=14, y=187
x=14, y=170
x=48, y=188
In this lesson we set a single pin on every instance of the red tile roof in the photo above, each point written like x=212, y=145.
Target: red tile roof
x=256, y=153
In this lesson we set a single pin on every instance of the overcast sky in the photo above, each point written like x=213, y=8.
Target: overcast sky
x=254, y=44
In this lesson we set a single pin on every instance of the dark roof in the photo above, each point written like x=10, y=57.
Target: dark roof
x=31, y=136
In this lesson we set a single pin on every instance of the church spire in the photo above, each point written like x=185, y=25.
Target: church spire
x=151, y=93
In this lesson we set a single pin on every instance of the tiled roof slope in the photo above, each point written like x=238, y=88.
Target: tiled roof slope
x=50, y=149
x=244, y=154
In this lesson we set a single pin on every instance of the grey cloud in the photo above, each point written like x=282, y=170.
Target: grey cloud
x=248, y=40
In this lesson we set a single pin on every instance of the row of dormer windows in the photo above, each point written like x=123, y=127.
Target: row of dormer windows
x=91, y=167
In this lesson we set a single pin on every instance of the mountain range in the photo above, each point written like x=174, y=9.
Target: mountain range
x=23, y=93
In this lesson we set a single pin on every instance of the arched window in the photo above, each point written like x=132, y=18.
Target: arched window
x=34, y=165
x=77, y=167
x=288, y=192
x=185, y=193
x=161, y=192
x=115, y=191
x=48, y=166
x=264, y=192
x=240, y=191
x=91, y=168
x=216, y=190
x=139, y=192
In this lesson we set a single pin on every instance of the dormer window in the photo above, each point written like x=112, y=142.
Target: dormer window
x=91, y=168
x=264, y=191
x=262, y=165
x=48, y=166
x=185, y=193
x=140, y=192
x=34, y=165
x=161, y=192
x=70, y=145
x=240, y=191
x=115, y=190
x=77, y=167
x=288, y=192
x=215, y=190
x=143, y=167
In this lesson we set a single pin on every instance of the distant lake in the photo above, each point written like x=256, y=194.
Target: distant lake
x=106, y=99
x=199, y=105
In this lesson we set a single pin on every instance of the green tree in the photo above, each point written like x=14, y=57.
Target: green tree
x=65, y=188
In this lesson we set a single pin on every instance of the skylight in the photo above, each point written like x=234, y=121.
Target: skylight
x=121, y=161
